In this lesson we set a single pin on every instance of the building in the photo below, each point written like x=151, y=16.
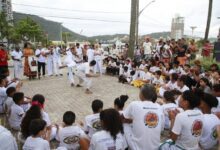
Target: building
x=6, y=7
x=177, y=27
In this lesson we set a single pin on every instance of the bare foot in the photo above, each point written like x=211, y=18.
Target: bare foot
x=88, y=92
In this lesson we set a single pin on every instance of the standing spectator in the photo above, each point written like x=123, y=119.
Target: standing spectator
x=3, y=58
x=41, y=55
x=217, y=50
x=181, y=54
x=206, y=51
x=17, y=58
x=147, y=48
x=192, y=49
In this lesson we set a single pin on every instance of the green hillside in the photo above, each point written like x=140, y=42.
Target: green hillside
x=50, y=27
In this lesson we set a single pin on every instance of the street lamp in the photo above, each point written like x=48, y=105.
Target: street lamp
x=193, y=28
x=138, y=15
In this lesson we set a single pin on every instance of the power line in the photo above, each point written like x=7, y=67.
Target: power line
x=74, y=10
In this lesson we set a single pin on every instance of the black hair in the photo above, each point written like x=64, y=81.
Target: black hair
x=120, y=101
x=10, y=90
x=206, y=81
x=77, y=44
x=210, y=100
x=176, y=92
x=26, y=44
x=132, y=73
x=216, y=87
x=158, y=72
x=125, y=68
x=33, y=113
x=17, y=97
x=183, y=79
x=174, y=76
x=193, y=99
x=169, y=96
x=92, y=63
x=187, y=65
x=111, y=122
x=39, y=98
x=97, y=105
x=149, y=92
x=36, y=126
x=69, y=117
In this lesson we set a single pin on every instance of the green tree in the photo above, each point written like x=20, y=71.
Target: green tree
x=5, y=27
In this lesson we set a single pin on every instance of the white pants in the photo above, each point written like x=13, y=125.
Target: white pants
x=70, y=75
x=17, y=69
x=50, y=66
x=87, y=82
x=57, y=64
x=98, y=66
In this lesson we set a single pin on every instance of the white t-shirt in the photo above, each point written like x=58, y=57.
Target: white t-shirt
x=56, y=53
x=36, y=144
x=85, y=68
x=154, y=69
x=158, y=81
x=90, y=54
x=209, y=134
x=188, y=125
x=102, y=140
x=183, y=89
x=69, y=61
x=92, y=124
x=8, y=103
x=41, y=52
x=46, y=118
x=17, y=55
x=147, y=47
x=7, y=141
x=15, y=117
x=3, y=97
x=69, y=137
x=79, y=51
x=148, y=122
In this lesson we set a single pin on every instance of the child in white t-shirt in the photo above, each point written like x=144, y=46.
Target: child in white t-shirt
x=17, y=112
x=209, y=137
x=186, y=127
x=111, y=137
x=92, y=122
x=3, y=94
x=71, y=136
x=158, y=80
x=181, y=86
x=37, y=140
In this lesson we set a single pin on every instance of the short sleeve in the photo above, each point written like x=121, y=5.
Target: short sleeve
x=128, y=113
x=46, y=118
x=177, y=127
x=3, y=92
x=86, y=128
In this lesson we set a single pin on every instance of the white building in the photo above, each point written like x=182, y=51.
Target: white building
x=177, y=27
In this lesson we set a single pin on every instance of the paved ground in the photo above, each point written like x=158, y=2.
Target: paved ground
x=60, y=97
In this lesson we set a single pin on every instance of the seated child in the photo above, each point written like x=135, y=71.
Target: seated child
x=3, y=94
x=37, y=140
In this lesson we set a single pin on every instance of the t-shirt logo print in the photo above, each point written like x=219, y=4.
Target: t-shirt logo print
x=71, y=139
x=97, y=125
x=151, y=119
x=214, y=134
x=197, y=128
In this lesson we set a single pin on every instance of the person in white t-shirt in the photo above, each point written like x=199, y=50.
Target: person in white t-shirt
x=57, y=60
x=7, y=141
x=157, y=80
x=147, y=48
x=147, y=119
x=41, y=63
x=17, y=111
x=17, y=59
x=92, y=122
x=71, y=136
x=216, y=93
x=79, y=52
x=111, y=137
x=91, y=53
x=181, y=84
x=37, y=140
x=209, y=137
x=83, y=73
x=49, y=53
x=187, y=126
x=3, y=94
x=98, y=58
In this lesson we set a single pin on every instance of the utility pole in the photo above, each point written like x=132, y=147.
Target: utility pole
x=133, y=23
x=137, y=24
x=208, y=20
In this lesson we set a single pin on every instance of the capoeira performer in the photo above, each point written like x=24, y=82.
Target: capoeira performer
x=17, y=58
x=50, y=61
x=98, y=58
x=57, y=60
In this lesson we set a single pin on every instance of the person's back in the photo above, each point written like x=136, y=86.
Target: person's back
x=7, y=141
x=37, y=143
x=148, y=119
x=92, y=124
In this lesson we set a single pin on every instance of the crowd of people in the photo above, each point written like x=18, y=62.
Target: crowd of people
x=177, y=95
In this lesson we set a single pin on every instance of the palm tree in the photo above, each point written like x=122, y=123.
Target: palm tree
x=208, y=20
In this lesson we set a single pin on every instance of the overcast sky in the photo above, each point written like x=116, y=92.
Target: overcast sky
x=156, y=18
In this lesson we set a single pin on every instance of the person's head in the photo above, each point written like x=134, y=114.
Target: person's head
x=17, y=48
x=97, y=106
x=216, y=90
x=77, y=45
x=214, y=67
x=2, y=46
x=143, y=62
x=147, y=39
x=10, y=91
x=27, y=45
x=120, y=102
x=18, y=97
x=111, y=122
x=34, y=112
x=174, y=77
x=181, y=81
x=125, y=68
x=148, y=92
x=204, y=82
x=208, y=101
x=158, y=73
x=2, y=82
x=169, y=97
x=38, y=100
x=37, y=127
x=69, y=118
x=189, y=100
x=92, y=63
x=186, y=67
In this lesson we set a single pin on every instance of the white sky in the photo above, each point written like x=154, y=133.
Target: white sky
x=156, y=18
